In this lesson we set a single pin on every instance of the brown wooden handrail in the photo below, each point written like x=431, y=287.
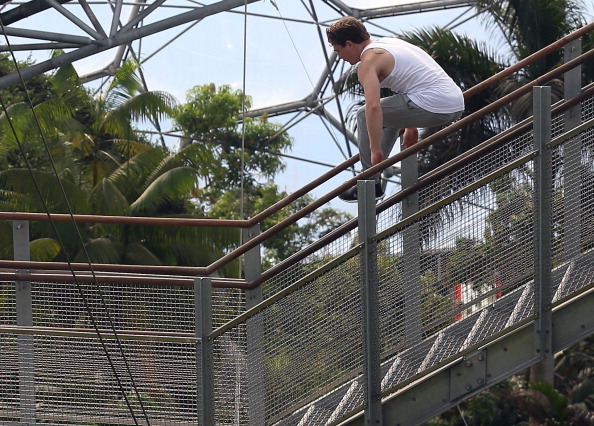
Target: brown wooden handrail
x=124, y=220
x=85, y=276
x=335, y=171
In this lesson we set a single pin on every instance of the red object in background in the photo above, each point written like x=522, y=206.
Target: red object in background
x=499, y=284
x=459, y=299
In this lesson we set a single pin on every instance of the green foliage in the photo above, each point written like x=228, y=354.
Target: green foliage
x=211, y=112
x=293, y=238
x=241, y=155
x=44, y=249
x=38, y=88
x=487, y=408
x=103, y=168
x=243, y=159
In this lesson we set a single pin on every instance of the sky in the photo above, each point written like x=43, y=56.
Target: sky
x=275, y=61
x=283, y=61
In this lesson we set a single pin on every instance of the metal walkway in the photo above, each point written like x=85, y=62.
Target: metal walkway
x=470, y=274
x=481, y=350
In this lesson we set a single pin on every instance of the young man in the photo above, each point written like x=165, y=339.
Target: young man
x=425, y=96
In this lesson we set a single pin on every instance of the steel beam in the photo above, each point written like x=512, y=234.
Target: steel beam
x=121, y=38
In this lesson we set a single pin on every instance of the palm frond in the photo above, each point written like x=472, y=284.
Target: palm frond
x=23, y=186
x=44, y=249
x=124, y=85
x=189, y=246
x=13, y=124
x=106, y=199
x=100, y=250
x=196, y=156
x=132, y=174
x=65, y=78
x=138, y=254
x=149, y=105
x=129, y=148
x=170, y=185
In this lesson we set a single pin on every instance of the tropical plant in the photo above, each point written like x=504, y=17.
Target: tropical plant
x=525, y=27
x=84, y=156
x=244, y=159
x=546, y=406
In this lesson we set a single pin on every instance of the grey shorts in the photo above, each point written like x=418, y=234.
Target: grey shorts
x=399, y=112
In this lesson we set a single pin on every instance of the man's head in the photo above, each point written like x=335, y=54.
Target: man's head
x=347, y=37
x=347, y=29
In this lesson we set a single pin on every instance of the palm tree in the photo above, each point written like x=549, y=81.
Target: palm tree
x=528, y=26
x=525, y=27
x=468, y=62
x=90, y=160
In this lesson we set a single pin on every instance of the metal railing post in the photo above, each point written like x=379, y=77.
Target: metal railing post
x=543, y=185
x=411, y=256
x=204, y=350
x=572, y=153
x=256, y=392
x=370, y=289
x=24, y=313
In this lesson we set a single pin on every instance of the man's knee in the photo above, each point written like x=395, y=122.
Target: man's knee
x=361, y=113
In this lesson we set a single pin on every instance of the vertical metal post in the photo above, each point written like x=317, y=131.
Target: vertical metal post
x=24, y=312
x=256, y=392
x=204, y=350
x=367, y=229
x=572, y=86
x=411, y=256
x=543, y=185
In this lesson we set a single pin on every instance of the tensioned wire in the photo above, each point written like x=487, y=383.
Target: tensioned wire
x=86, y=254
x=243, y=124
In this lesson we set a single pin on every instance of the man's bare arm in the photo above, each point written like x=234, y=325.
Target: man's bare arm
x=368, y=74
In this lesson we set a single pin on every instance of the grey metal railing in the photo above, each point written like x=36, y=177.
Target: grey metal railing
x=442, y=290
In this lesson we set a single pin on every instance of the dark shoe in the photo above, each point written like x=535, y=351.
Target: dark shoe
x=350, y=195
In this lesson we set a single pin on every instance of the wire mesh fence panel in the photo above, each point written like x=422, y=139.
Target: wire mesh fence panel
x=126, y=307
x=77, y=380
x=492, y=159
x=230, y=377
x=573, y=202
x=7, y=303
x=454, y=273
x=9, y=378
x=311, y=344
x=145, y=370
x=389, y=217
x=227, y=303
x=133, y=307
x=339, y=246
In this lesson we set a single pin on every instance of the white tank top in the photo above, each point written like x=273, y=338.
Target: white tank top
x=417, y=75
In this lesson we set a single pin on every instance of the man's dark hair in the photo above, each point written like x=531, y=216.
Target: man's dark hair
x=347, y=29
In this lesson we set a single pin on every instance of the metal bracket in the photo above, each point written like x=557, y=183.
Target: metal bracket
x=469, y=374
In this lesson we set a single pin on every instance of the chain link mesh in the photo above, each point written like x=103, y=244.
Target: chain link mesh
x=452, y=277
x=65, y=376
x=311, y=344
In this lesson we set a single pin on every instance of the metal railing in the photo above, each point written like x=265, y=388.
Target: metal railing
x=326, y=333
